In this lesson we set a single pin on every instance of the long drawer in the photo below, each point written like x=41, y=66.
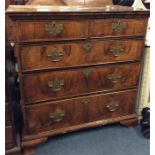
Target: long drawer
x=69, y=83
x=118, y=27
x=79, y=54
x=53, y=30
x=71, y=112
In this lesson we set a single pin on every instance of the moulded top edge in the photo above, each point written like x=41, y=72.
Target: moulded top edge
x=67, y=9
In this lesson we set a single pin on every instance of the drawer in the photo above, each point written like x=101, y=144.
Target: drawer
x=69, y=83
x=52, y=30
x=9, y=139
x=118, y=27
x=79, y=54
x=76, y=111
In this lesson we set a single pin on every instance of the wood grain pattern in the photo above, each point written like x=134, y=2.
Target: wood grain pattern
x=97, y=109
x=70, y=2
x=32, y=31
x=98, y=3
x=37, y=30
x=38, y=116
x=74, y=54
x=76, y=83
x=46, y=2
x=102, y=28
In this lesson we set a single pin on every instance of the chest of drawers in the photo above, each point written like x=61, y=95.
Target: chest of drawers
x=79, y=67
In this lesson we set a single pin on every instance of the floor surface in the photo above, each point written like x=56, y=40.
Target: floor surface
x=107, y=140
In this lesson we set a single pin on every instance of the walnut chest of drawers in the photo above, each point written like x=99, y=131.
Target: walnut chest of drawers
x=79, y=67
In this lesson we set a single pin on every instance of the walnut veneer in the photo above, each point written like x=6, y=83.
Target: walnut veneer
x=79, y=67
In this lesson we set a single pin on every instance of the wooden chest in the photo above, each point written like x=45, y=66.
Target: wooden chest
x=79, y=67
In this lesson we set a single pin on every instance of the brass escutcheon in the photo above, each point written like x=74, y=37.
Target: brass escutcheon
x=55, y=55
x=116, y=50
x=114, y=78
x=113, y=105
x=56, y=85
x=119, y=26
x=57, y=116
x=85, y=101
x=87, y=73
x=87, y=47
x=54, y=28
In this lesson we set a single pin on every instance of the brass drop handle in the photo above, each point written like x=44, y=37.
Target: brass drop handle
x=56, y=85
x=87, y=73
x=57, y=116
x=54, y=28
x=114, y=78
x=116, y=50
x=55, y=55
x=85, y=101
x=87, y=47
x=112, y=106
x=119, y=26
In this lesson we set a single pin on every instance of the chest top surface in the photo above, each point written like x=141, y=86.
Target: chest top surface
x=37, y=11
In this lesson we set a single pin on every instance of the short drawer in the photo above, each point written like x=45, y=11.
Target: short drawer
x=71, y=112
x=79, y=54
x=69, y=83
x=118, y=27
x=52, y=30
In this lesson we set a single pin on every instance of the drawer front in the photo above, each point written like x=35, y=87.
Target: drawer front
x=76, y=111
x=80, y=54
x=9, y=140
x=52, y=30
x=60, y=84
x=54, y=115
x=111, y=105
x=118, y=27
